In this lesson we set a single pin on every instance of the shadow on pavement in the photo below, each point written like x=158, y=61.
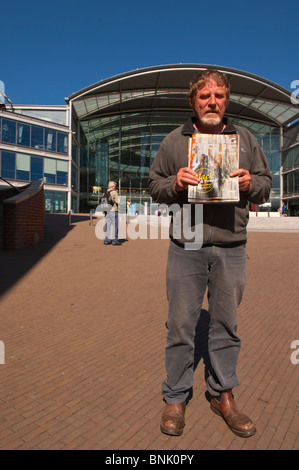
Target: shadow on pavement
x=14, y=264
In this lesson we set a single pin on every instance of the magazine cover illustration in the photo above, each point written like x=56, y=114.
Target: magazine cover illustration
x=213, y=157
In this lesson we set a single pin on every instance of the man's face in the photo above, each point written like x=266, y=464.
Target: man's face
x=210, y=104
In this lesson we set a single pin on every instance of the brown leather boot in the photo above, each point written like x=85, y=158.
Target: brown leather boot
x=237, y=422
x=173, y=419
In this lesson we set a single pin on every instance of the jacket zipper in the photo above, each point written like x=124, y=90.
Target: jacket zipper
x=211, y=225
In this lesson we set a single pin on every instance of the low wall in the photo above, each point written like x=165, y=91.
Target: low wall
x=264, y=214
x=23, y=218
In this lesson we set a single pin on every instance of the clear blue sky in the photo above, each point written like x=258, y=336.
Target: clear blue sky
x=50, y=50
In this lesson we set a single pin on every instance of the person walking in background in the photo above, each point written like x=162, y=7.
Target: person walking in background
x=284, y=209
x=111, y=217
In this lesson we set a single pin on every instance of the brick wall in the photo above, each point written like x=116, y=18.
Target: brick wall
x=23, y=217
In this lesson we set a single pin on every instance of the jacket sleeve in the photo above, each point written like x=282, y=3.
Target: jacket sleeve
x=162, y=176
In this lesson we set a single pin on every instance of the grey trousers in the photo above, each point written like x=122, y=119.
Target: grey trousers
x=189, y=273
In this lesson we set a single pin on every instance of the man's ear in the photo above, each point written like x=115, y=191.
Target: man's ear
x=191, y=104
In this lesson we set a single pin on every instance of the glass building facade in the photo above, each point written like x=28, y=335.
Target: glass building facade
x=269, y=138
x=113, y=129
x=122, y=149
x=290, y=170
x=123, y=121
x=32, y=136
x=34, y=145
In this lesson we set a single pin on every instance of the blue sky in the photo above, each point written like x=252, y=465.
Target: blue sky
x=50, y=50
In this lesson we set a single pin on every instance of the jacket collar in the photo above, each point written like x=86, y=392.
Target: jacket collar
x=188, y=127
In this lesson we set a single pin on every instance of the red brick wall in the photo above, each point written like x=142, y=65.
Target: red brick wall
x=23, y=221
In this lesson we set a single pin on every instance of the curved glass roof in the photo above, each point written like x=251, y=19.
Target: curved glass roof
x=165, y=88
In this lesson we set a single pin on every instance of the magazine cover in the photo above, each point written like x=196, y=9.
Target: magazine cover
x=214, y=157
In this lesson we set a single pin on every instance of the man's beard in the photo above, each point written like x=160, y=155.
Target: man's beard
x=211, y=120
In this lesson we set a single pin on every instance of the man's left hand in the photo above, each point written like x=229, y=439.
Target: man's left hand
x=245, y=181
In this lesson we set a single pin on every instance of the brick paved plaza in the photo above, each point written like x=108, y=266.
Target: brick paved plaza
x=83, y=326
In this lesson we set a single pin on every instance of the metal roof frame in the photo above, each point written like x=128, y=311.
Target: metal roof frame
x=165, y=88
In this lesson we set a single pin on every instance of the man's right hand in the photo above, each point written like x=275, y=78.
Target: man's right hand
x=184, y=177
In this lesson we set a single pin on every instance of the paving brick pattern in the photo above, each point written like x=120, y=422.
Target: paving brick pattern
x=83, y=326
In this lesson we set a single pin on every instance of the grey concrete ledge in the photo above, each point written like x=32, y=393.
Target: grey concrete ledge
x=273, y=224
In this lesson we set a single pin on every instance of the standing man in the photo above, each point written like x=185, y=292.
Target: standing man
x=112, y=216
x=220, y=263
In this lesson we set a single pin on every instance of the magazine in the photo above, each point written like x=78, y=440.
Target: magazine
x=214, y=157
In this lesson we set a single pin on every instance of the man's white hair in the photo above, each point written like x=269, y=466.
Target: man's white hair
x=111, y=184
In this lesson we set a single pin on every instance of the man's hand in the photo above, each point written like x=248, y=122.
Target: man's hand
x=184, y=177
x=245, y=181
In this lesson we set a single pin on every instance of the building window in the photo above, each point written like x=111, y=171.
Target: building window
x=74, y=151
x=50, y=170
x=22, y=167
x=62, y=142
x=74, y=178
x=55, y=171
x=74, y=204
x=274, y=162
x=36, y=168
x=37, y=137
x=55, y=201
x=62, y=172
x=8, y=164
x=290, y=182
x=8, y=131
x=26, y=167
x=50, y=140
x=23, y=134
x=285, y=185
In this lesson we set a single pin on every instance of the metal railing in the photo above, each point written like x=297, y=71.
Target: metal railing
x=8, y=182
